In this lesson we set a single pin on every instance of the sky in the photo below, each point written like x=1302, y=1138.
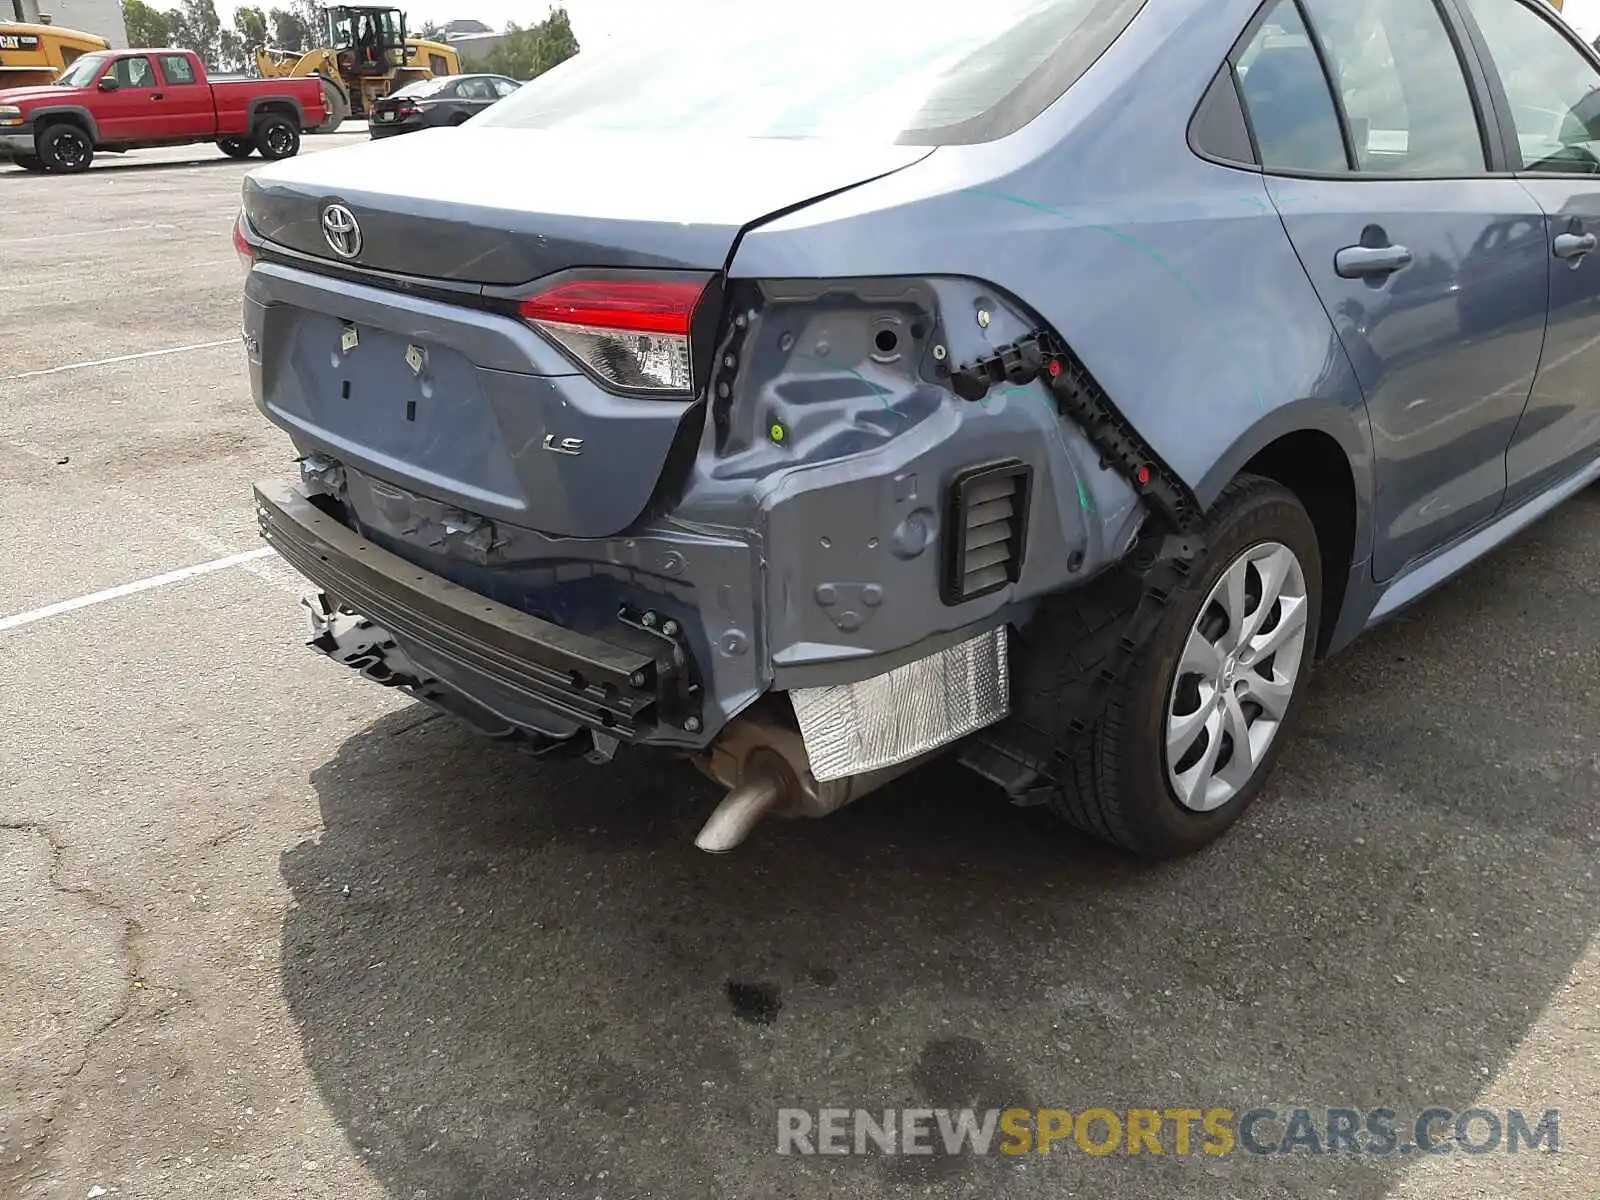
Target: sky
x=592, y=20
x=1584, y=16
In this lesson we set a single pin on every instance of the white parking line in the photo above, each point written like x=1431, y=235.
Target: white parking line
x=129, y=589
x=37, y=284
x=81, y=233
x=122, y=358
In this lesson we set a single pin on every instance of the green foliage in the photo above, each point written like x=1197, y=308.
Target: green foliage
x=524, y=53
x=196, y=26
x=288, y=30
x=146, y=25
x=232, y=54
x=251, y=26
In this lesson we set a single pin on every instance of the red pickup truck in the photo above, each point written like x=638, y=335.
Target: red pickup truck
x=130, y=99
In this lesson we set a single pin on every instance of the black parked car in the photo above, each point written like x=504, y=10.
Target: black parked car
x=443, y=100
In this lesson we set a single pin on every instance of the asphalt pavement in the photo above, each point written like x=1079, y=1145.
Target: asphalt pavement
x=268, y=930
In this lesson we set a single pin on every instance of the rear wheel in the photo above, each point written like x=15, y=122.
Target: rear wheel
x=338, y=107
x=237, y=147
x=1192, y=729
x=277, y=136
x=66, y=148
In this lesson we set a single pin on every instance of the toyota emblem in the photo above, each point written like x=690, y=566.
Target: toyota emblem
x=342, y=230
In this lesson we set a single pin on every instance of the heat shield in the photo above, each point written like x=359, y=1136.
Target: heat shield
x=852, y=728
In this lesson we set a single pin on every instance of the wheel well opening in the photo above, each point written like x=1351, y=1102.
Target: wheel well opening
x=65, y=118
x=275, y=109
x=1313, y=466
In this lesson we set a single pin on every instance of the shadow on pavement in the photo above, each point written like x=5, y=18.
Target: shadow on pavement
x=536, y=987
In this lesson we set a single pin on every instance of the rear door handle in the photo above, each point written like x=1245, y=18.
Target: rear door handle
x=1365, y=262
x=1573, y=245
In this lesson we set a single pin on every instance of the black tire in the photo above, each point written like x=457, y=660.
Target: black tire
x=1113, y=782
x=237, y=147
x=65, y=148
x=277, y=137
x=338, y=107
x=29, y=162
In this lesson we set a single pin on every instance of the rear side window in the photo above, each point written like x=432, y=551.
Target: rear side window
x=505, y=87
x=133, y=72
x=1399, y=76
x=1286, y=97
x=1553, y=88
x=177, y=69
x=929, y=72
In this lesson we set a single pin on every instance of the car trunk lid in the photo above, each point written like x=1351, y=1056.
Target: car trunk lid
x=505, y=206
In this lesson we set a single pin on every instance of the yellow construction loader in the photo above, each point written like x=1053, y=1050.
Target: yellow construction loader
x=367, y=56
x=35, y=54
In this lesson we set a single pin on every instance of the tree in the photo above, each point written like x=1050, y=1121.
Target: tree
x=315, y=20
x=289, y=31
x=528, y=53
x=146, y=26
x=430, y=31
x=197, y=27
x=232, y=54
x=251, y=26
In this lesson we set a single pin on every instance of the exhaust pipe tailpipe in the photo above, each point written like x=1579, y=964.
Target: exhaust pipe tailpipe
x=767, y=772
x=738, y=813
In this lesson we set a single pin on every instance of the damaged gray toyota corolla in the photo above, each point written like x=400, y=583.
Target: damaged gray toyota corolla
x=816, y=393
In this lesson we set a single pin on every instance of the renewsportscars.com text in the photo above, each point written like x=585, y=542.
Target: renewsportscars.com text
x=1166, y=1131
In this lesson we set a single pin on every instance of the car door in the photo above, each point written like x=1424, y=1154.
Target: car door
x=1433, y=271
x=1549, y=88
x=474, y=95
x=133, y=111
x=186, y=100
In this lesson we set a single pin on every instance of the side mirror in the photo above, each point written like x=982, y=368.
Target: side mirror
x=110, y=83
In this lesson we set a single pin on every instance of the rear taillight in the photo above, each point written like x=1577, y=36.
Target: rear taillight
x=407, y=110
x=631, y=334
x=241, y=244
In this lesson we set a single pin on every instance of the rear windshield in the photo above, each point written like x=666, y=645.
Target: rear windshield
x=425, y=87
x=930, y=72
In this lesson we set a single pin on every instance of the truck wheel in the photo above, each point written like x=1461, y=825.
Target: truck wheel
x=237, y=147
x=1193, y=727
x=338, y=109
x=277, y=137
x=66, y=148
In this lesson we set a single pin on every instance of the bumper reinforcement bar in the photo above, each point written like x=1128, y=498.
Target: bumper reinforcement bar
x=603, y=684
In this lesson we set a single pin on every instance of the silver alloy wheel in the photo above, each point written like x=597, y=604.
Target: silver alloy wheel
x=1236, y=676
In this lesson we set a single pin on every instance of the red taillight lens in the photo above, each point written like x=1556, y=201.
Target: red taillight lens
x=643, y=306
x=246, y=252
x=633, y=334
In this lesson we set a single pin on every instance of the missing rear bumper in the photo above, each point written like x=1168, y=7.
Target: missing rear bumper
x=530, y=673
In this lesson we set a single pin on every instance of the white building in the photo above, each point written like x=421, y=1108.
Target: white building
x=102, y=17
